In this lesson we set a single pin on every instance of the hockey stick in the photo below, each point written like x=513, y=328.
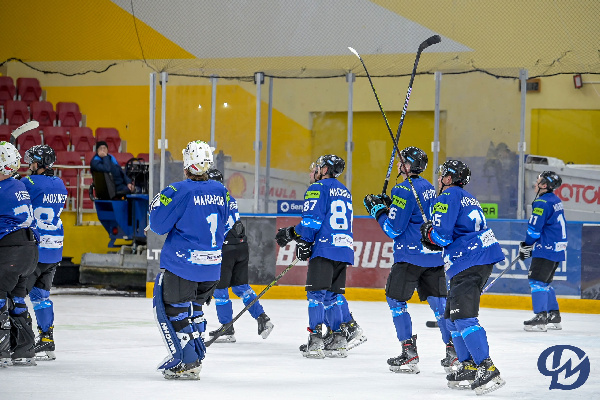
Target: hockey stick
x=224, y=328
x=27, y=126
x=376, y=97
x=499, y=275
x=430, y=41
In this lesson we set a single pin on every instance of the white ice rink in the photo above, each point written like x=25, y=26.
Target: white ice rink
x=108, y=348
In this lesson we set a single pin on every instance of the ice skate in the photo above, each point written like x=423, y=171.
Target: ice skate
x=487, y=379
x=450, y=362
x=467, y=371
x=406, y=362
x=354, y=334
x=265, y=326
x=537, y=323
x=227, y=337
x=5, y=362
x=24, y=361
x=335, y=345
x=183, y=371
x=314, y=347
x=554, y=320
x=44, y=346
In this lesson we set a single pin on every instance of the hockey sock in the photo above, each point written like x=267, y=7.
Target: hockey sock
x=224, y=306
x=246, y=293
x=343, y=304
x=462, y=353
x=401, y=318
x=552, y=303
x=333, y=313
x=539, y=296
x=316, y=311
x=475, y=338
x=43, y=308
x=438, y=306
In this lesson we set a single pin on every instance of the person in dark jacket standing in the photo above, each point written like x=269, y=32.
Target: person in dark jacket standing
x=104, y=162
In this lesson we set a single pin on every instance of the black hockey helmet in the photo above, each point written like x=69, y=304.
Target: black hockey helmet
x=41, y=154
x=458, y=170
x=416, y=157
x=551, y=179
x=336, y=164
x=215, y=175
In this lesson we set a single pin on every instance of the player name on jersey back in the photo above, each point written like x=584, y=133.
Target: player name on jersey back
x=55, y=198
x=340, y=192
x=207, y=199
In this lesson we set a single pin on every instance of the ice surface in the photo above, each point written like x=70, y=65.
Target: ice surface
x=108, y=348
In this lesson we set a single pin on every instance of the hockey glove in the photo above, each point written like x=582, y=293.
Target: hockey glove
x=525, y=251
x=286, y=235
x=426, y=229
x=303, y=249
x=386, y=200
x=375, y=205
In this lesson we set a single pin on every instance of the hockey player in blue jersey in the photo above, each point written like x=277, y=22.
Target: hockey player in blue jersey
x=48, y=197
x=325, y=236
x=234, y=275
x=18, y=259
x=547, y=237
x=415, y=266
x=194, y=214
x=470, y=252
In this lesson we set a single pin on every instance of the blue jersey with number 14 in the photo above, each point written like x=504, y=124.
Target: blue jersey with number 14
x=460, y=227
x=327, y=220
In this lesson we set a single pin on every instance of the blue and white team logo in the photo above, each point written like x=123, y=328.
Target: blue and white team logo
x=568, y=366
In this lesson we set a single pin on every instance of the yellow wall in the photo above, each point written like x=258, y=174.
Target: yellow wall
x=580, y=129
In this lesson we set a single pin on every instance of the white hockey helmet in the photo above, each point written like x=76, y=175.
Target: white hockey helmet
x=197, y=157
x=10, y=159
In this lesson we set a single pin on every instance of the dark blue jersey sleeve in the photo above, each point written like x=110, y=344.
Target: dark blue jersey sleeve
x=166, y=209
x=313, y=212
x=444, y=215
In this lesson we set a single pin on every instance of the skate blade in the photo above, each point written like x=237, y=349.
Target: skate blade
x=554, y=326
x=24, y=362
x=452, y=368
x=269, y=327
x=496, y=384
x=48, y=356
x=405, y=369
x=457, y=385
x=191, y=375
x=314, y=354
x=338, y=353
x=357, y=341
x=225, y=339
x=534, y=328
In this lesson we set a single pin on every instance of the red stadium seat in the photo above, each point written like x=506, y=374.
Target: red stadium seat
x=111, y=137
x=16, y=112
x=7, y=89
x=122, y=158
x=43, y=112
x=29, y=90
x=56, y=137
x=5, y=132
x=82, y=139
x=29, y=139
x=68, y=114
x=144, y=156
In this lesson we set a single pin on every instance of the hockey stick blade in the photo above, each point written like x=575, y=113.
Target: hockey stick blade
x=224, y=328
x=485, y=289
x=431, y=324
x=27, y=126
x=435, y=39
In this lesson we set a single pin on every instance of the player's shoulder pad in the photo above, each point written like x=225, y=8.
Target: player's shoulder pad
x=314, y=191
x=166, y=195
x=440, y=207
